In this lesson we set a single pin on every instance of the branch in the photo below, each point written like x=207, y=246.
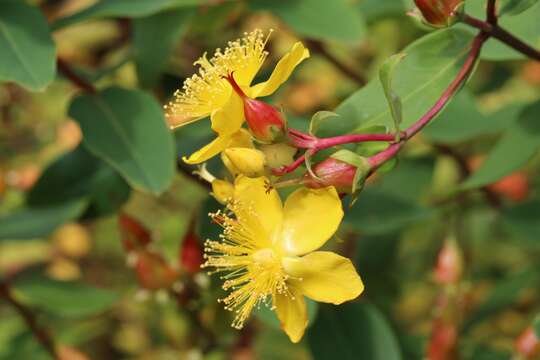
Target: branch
x=320, y=49
x=493, y=30
x=65, y=69
x=41, y=335
x=491, y=12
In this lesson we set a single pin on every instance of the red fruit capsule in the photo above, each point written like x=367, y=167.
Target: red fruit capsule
x=332, y=172
x=264, y=120
x=153, y=272
x=437, y=12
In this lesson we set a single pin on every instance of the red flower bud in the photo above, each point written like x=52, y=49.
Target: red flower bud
x=514, y=187
x=332, y=172
x=191, y=253
x=528, y=344
x=449, y=267
x=153, y=272
x=442, y=341
x=134, y=234
x=264, y=120
x=438, y=12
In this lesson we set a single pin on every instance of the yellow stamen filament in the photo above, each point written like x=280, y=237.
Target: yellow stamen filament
x=208, y=90
x=253, y=268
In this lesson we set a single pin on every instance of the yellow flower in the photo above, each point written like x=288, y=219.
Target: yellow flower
x=268, y=253
x=209, y=93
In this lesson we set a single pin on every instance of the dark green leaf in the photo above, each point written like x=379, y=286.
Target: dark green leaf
x=318, y=19
x=127, y=129
x=431, y=64
x=515, y=7
x=377, y=212
x=123, y=8
x=352, y=331
x=36, y=222
x=523, y=220
x=76, y=175
x=151, y=56
x=512, y=152
x=26, y=47
x=502, y=296
x=69, y=299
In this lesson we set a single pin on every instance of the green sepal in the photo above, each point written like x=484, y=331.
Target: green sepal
x=318, y=118
x=386, y=75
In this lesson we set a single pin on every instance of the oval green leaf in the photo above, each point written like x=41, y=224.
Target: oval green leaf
x=352, y=331
x=37, y=222
x=431, y=63
x=126, y=128
x=28, y=54
x=318, y=19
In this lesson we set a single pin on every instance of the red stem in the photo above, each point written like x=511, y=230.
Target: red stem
x=461, y=78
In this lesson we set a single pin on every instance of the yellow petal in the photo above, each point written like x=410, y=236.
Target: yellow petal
x=208, y=151
x=282, y=71
x=222, y=190
x=228, y=119
x=292, y=313
x=261, y=207
x=242, y=139
x=324, y=276
x=249, y=162
x=311, y=217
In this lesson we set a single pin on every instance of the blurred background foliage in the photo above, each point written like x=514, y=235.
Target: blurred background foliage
x=102, y=238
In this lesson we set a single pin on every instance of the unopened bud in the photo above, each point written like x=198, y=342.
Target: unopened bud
x=344, y=170
x=449, y=267
x=443, y=340
x=332, y=172
x=191, y=255
x=265, y=122
x=249, y=162
x=528, y=344
x=439, y=13
x=153, y=272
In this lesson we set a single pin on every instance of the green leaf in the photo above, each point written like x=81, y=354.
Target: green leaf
x=536, y=326
x=151, y=56
x=28, y=54
x=79, y=174
x=522, y=220
x=318, y=19
x=512, y=152
x=378, y=212
x=502, y=296
x=525, y=26
x=515, y=7
x=37, y=222
x=127, y=129
x=123, y=8
x=431, y=64
x=67, y=299
x=352, y=331
x=386, y=75
x=454, y=125
x=318, y=118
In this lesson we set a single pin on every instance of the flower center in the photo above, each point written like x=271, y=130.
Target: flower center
x=265, y=258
